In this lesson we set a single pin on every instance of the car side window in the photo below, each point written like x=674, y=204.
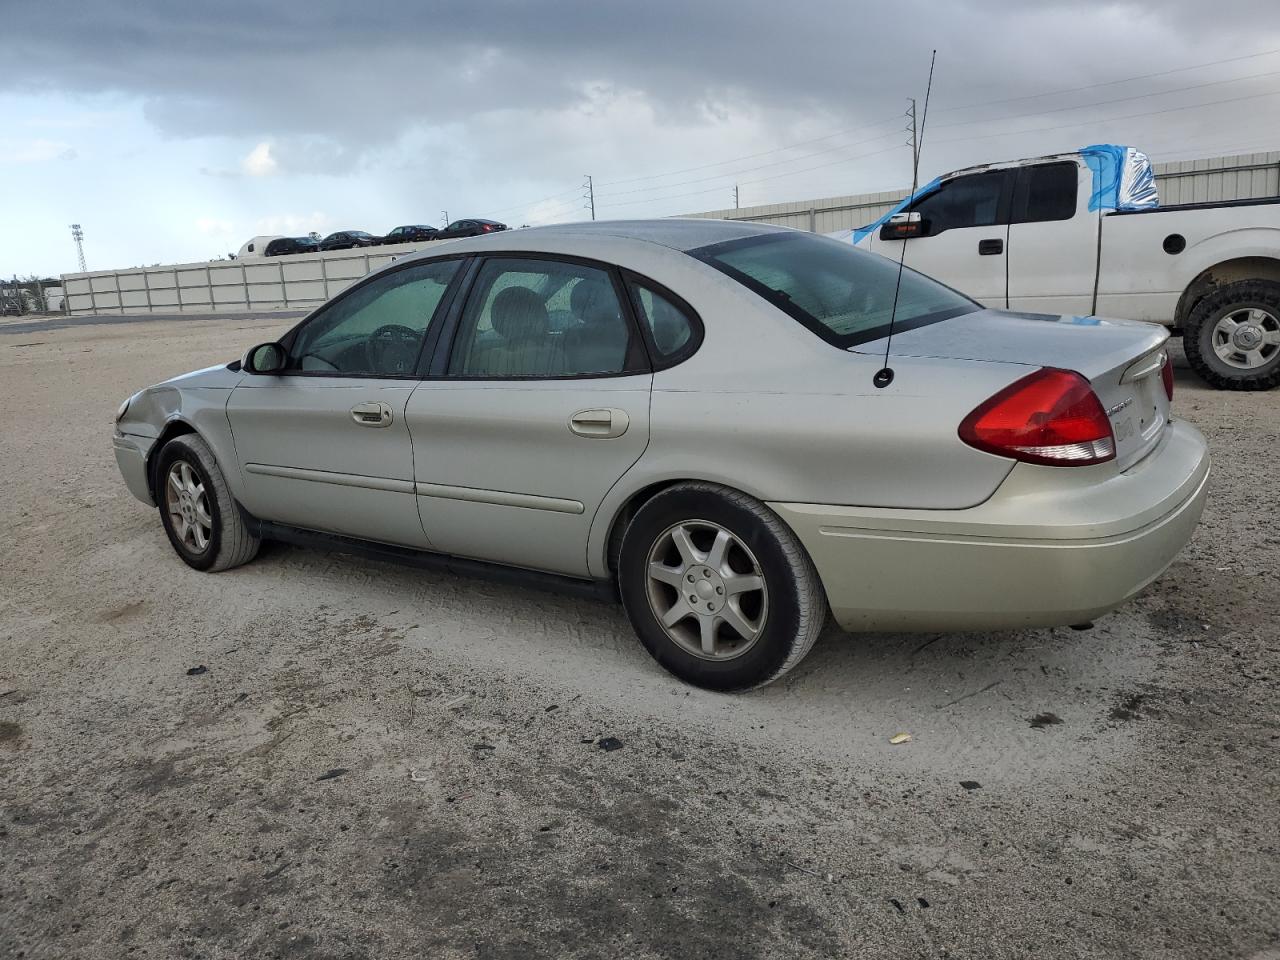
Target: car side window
x=377, y=330
x=670, y=327
x=972, y=201
x=1045, y=192
x=541, y=318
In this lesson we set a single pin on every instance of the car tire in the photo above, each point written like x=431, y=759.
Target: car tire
x=728, y=635
x=1218, y=336
x=203, y=521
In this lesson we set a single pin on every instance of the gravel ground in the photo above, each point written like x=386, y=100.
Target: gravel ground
x=315, y=756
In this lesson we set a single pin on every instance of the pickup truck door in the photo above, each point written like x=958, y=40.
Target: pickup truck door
x=966, y=234
x=1053, y=239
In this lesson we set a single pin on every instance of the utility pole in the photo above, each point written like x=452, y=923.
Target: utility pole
x=78, y=235
x=913, y=143
x=590, y=195
x=735, y=196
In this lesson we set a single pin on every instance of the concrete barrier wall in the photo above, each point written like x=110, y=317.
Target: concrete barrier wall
x=257, y=284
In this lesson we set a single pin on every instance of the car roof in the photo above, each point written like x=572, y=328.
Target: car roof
x=678, y=234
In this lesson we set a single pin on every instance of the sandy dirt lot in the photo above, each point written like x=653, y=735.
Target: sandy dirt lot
x=315, y=756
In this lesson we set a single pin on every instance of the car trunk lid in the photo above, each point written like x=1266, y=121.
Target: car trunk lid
x=1121, y=359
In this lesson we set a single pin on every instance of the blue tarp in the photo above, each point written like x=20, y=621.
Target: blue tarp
x=1122, y=178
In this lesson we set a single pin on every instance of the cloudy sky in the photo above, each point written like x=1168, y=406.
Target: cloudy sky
x=175, y=131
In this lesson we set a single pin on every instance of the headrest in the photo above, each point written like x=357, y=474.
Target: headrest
x=518, y=312
x=593, y=301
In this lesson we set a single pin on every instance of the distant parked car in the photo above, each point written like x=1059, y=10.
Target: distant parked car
x=411, y=234
x=347, y=239
x=470, y=228
x=285, y=246
x=256, y=246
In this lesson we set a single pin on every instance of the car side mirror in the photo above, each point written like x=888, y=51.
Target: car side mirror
x=904, y=226
x=264, y=358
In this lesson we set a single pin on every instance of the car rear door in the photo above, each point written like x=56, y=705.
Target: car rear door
x=966, y=223
x=325, y=444
x=1053, y=239
x=525, y=425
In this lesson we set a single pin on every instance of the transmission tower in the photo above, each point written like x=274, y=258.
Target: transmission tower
x=78, y=235
x=590, y=195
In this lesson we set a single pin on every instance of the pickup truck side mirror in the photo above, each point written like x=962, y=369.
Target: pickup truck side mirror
x=264, y=358
x=904, y=226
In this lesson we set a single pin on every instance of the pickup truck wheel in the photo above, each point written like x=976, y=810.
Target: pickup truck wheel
x=718, y=588
x=1232, y=337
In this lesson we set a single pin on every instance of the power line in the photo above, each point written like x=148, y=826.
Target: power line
x=1101, y=120
x=967, y=106
x=753, y=156
x=1103, y=103
x=763, y=166
x=1009, y=133
x=1106, y=83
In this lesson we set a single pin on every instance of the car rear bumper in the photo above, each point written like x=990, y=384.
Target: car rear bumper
x=131, y=458
x=1053, y=545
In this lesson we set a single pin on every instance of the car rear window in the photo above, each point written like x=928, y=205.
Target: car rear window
x=842, y=294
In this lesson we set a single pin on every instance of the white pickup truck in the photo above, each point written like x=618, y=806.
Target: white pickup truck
x=1082, y=233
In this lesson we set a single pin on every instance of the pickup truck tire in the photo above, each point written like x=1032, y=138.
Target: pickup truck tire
x=1232, y=337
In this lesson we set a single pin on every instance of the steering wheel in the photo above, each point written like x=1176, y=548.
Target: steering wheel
x=392, y=349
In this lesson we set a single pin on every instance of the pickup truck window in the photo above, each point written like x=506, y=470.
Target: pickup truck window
x=842, y=294
x=972, y=201
x=1045, y=192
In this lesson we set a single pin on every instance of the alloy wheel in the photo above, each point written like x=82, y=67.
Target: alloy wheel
x=188, y=507
x=1246, y=338
x=707, y=590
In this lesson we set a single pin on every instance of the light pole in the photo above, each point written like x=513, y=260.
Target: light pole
x=78, y=235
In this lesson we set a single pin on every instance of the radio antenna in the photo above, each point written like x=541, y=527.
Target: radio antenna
x=884, y=376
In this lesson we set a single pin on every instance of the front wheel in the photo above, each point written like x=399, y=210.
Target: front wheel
x=196, y=507
x=718, y=588
x=1232, y=337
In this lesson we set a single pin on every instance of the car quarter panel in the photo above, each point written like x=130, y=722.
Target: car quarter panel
x=1138, y=279
x=765, y=406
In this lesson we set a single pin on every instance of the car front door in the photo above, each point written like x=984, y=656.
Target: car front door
x=538, y=404
x=965, y=239
x=324, y=445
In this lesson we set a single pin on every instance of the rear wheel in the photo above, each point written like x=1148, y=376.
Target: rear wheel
x=196, y=507
x=1232, y=337
x=718, y=588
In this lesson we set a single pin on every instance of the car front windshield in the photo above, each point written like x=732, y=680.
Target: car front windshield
x=843, y=294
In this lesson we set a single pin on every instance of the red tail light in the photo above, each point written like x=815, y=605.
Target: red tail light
x=1166, y=374
x=486, y=228
x=1051, y=417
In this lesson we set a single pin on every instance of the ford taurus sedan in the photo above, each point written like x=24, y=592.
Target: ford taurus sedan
x=692, y=415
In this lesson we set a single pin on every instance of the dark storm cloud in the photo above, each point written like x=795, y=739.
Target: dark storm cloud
x=359, y=75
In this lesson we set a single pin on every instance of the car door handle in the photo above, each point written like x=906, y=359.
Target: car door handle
x=600, y=424
x=372, y=414
x=989, y=248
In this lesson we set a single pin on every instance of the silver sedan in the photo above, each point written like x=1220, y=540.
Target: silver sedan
x=703, y=417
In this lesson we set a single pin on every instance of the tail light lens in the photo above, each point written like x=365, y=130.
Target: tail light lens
x=1051, y=417
x=486, y=228
x=1166, y=374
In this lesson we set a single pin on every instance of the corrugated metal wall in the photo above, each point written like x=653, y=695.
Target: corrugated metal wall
x=1183, y=181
